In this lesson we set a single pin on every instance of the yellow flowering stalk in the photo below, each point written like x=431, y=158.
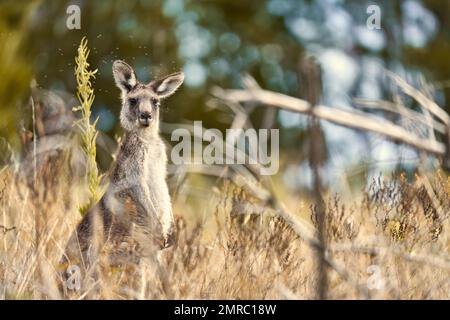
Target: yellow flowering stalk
x=85, y=94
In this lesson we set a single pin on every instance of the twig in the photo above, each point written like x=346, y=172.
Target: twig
x=420, y=98
x=441, y=85
x=400, y=110
x=6, y=229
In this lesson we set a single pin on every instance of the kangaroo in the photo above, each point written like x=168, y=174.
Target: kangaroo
x=134, y=217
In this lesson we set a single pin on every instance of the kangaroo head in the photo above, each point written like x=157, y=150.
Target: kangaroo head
x=140, y=102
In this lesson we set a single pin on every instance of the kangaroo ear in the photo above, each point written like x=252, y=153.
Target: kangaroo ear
x=167, y=86
x=124, y=76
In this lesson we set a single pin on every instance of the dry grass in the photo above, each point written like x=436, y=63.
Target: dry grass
x=395, y=234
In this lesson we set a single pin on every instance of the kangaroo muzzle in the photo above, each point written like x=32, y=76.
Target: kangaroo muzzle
x=145, y=118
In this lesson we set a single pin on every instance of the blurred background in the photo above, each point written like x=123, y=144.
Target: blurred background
x=216, y=42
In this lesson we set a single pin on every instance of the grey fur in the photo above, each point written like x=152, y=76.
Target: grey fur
x=134, y=217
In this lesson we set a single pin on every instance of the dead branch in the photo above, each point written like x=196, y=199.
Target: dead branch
x=400, y=110
x=311, y=79
x=422, y=99
x=352, y=119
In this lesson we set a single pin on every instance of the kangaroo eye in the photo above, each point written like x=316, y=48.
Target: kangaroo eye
x=155, y=102
x=132, y=102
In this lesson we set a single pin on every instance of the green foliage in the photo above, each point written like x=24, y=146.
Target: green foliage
x=89, y=133
x=15, y=67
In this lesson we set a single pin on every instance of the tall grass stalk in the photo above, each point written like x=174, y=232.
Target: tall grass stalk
x=85, y=94
x=34, y=140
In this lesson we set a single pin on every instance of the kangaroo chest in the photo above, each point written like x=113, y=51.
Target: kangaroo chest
x=153, y=167
x=141, y=166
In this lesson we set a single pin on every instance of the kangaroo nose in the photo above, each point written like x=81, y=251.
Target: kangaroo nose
x=144, y=118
